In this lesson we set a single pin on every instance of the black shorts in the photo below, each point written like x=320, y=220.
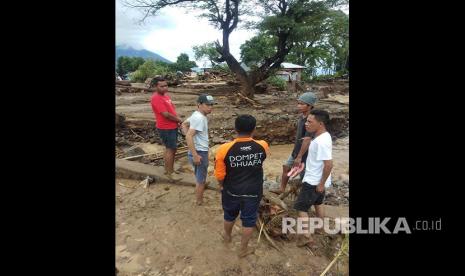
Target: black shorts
x=169, y=137
x=308, y=196
x=247, y=206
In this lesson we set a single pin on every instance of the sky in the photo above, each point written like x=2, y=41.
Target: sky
x=171, y=33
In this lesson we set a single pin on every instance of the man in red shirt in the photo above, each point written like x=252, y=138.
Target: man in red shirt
x=167, y=123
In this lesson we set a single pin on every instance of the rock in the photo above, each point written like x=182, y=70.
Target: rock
x=344, y=178
x=324, y=91
x=134, y=150
x=274, y=111
x=284, y=117
x=346, y=195
x=336, y=183
x=330, y=191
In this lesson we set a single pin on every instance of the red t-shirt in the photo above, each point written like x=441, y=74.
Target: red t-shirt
x=162, y=103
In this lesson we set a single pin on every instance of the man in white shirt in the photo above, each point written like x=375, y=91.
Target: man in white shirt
x=196, y=128
x=317, y=170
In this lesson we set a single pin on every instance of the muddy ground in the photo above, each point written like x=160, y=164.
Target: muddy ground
x=160, y=231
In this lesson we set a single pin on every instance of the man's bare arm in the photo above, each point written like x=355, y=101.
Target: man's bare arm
x=171, y=117
x=327, y=167
x=185, y=127
x=303, y=149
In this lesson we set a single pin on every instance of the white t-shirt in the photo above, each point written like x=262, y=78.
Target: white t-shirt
x=199, y=122
x=320, y=149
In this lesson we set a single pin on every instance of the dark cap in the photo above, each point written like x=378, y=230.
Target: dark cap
x=206, y=99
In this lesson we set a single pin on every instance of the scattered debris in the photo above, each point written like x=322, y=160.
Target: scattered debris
x=276, y=115
x=146, y=182
x=158, y=196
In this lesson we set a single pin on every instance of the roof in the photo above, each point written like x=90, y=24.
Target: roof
x=284, y=65
x=287, y=65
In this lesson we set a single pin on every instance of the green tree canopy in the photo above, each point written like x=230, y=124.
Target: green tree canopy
x=149, y=69
x=183, y=63
x=207, y=51
x=126, y=64
x=320, y=42
x=283, y=19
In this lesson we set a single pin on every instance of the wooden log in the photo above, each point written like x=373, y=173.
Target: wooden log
x=141, y=155
x=123, y=82
x=134, y=87
x=181, y=150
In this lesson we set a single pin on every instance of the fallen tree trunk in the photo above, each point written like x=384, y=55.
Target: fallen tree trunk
x=133, y=87
x=159, y=155
x=142, y=89
x=123, y=82
x=135, y=170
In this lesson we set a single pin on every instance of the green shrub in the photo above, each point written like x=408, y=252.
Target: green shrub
x=277, y=82
x=149, y=69
x=223, y=67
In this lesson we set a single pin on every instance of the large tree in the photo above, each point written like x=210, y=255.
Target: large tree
x=281, y=19
x=323, y=42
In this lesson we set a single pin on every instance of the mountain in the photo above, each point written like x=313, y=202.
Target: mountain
x=131, y=52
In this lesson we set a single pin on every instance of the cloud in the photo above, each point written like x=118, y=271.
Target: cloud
x=172, y=32
x=130, y=31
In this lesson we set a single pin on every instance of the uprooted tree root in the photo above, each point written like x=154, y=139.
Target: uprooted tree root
x=273, y=209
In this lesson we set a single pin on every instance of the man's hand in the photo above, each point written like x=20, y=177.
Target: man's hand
x=184, y=127
x=297, y=161
x=197, y=159
x=220, y=185
x=320, y=188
